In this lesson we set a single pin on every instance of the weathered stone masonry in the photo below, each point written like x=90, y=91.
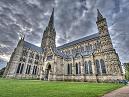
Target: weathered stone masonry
x=91, y=58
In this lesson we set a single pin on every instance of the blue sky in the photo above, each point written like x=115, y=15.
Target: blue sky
x=73, y=19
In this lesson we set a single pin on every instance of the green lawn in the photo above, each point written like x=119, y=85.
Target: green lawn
x=37, y=88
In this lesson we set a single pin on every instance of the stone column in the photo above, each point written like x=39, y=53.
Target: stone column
x=93, y=64
x=82, y=69
x=94, y=68
x=73, y=67
x=82, y=65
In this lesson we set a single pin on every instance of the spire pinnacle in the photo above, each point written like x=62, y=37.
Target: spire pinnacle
x=51, y=21
x=99, y=16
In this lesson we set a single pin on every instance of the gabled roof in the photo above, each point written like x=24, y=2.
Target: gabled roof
x=57, y=50
x=33, y=47
x=96, y=35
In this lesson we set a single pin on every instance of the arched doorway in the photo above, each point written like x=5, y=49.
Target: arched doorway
x=47, y=71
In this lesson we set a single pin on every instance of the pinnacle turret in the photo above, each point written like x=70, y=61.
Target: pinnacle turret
x=99, y=15
x=51, y=21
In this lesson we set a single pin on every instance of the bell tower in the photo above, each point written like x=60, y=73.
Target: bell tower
x=105, y=39
x=49, y=34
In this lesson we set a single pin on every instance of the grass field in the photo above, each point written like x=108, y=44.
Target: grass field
x=37, y=88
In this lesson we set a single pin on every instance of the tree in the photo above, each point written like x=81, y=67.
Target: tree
x=2, y=71
x=126, y=65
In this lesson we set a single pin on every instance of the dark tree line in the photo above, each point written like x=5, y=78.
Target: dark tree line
x=126, y=70
x=2, y=71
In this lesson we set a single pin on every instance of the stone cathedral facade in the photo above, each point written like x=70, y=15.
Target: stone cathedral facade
x=91, y=58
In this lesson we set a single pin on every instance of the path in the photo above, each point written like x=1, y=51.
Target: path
x=122, y=92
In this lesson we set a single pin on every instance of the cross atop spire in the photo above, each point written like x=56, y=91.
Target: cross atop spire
x=99, y=16
x=51, y=21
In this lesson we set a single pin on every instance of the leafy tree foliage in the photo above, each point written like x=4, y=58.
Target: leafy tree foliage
x=126, y=70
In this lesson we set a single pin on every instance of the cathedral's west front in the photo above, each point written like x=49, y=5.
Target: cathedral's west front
x=91, y=58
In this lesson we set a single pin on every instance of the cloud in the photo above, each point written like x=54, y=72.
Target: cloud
x=73, y=20
x=2, y=63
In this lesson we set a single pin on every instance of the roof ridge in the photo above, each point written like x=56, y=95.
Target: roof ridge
x=79, y=40
x=32, y=46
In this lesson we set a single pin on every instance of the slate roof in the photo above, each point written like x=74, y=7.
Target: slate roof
x=58, y=52
x=96, y=35
x=33, y=47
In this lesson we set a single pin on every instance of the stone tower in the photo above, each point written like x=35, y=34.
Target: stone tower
x=49, y=35
x=14, y=59
x=105, y=39
x=108, y=52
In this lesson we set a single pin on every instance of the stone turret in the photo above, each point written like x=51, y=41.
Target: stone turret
x=11, y=67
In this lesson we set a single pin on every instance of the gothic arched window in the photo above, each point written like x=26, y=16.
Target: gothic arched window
x=33, y=70
x=78, y=68
x=69, y=68
x=37, y=57
x=21, y=68
x=18, y=69
x=26, y=69
x=86, y=68
x=98, y=67
x=29, y=69
x=90, y=67
x=103, y=66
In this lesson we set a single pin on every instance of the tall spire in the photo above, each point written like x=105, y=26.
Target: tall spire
x=51, y=21
x=49, y=34
x=99, y=16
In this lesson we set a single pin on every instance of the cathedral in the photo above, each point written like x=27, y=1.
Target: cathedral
x=91, y=58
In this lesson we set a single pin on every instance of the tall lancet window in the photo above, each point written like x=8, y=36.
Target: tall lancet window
x=98, y=67
x=86, y=67
x=21, y=70
x=18, y=68
x=69, y=68
x=78, y=68
x=90, y=67
x=103, y=66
